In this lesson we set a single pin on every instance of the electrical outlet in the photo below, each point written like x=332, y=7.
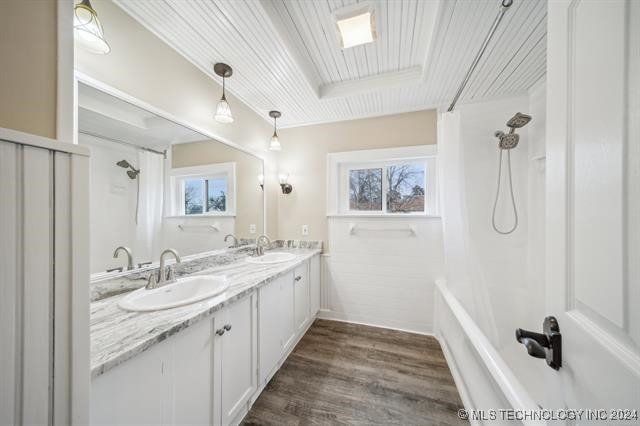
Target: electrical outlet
x=252, y=228
x=305, y=229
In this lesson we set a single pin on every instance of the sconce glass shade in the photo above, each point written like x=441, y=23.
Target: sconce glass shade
x=223, y=112
x=274, y=145
x=87, y=29
x=261, y=179
x=283, y=177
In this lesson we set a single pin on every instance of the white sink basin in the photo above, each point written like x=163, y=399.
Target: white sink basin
x=183, y=292
x=271, y=257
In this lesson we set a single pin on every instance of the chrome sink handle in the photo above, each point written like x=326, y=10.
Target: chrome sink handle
x=261, y=242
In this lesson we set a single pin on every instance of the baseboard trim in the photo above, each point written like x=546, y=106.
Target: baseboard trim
x=334, y=316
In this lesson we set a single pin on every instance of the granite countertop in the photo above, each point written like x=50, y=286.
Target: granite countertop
x=117, y=335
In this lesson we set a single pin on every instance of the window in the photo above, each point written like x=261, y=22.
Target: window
x=365, y=189
x=213, y=190
x=203, y=190
x=396, y=181
x=406, y=188
x=400, y=184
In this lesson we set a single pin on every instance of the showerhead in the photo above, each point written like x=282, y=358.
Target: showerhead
x=518, y=120
x=133, y=173
x=507, y=140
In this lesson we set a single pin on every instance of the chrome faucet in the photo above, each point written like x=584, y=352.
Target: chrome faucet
x=261, y=242
x=235, y=240
x=129, y=256
x=164, y=277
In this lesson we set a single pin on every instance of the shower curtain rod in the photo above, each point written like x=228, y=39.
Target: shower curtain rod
x=504, y=5
x=95, y=135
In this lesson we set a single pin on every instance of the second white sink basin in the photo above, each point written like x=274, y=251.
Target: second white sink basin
x=183, y=292
x=271, y=257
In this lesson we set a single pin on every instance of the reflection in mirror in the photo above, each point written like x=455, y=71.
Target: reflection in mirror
x=156, y=184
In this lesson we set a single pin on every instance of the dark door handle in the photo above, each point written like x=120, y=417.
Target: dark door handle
x=547, y=345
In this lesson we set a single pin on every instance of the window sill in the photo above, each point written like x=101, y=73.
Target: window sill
x=199, y=216
x=385, y=215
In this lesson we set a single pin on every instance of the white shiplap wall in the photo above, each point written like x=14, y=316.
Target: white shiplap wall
x=383, y=278
x=44, y=311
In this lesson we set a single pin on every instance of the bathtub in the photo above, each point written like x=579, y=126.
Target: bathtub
x=482, y=375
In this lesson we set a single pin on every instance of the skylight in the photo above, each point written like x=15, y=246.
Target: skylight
x=356, y=25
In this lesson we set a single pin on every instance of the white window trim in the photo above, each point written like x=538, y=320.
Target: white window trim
x=178, y=175
x=339, y=163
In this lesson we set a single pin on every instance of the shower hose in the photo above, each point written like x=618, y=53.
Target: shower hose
x=513, y=200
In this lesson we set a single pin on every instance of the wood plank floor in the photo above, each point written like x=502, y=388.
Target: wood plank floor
x=348, y=374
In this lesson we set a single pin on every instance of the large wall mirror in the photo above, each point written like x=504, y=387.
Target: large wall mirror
x=156, y=184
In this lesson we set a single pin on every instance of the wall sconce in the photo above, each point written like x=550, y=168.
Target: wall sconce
x=286, y=187
x=261, y=181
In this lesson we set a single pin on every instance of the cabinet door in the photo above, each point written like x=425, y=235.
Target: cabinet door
x=314, y=286
x=237, y=338
x=287, y=311
x=271, y=326
x=134, y=392
x=170, y=384
x=190, y=375
x=301, y=291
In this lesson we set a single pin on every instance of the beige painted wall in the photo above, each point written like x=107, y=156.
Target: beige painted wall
x=304, y=156
x=249, y=195
x=143, y=66
x=28, y=74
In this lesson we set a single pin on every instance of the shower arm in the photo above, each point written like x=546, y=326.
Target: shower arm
x=504, y=5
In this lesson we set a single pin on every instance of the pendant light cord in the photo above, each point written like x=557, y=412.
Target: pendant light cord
x=513, y=200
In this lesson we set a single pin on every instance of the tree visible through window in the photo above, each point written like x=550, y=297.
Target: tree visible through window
x=197, y=190
x=365, y=189
x=403, y=188
x=405, y=183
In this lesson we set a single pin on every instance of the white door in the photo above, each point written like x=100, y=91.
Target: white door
x=593, y=203
x=237, y=339
x=301, y=291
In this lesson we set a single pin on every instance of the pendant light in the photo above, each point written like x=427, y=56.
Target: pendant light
x=223, y=111
x=274, y=145
x=87, y=29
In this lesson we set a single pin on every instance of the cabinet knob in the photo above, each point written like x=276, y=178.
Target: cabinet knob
x=298, y=278
x=220, y=331
x=227, y=327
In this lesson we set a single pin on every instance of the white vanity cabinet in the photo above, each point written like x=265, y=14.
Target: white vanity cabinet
x=204, y=375
x=168, y=384
x=235, y=358
x=212, y=371
x=301, y=292
x=314, y=286
x=276, y=323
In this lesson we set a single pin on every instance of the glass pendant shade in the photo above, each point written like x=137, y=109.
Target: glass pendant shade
x=223, y=112
x=87, y=28
x=274, y=145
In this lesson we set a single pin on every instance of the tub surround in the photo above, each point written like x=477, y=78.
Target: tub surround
x=118, y=335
